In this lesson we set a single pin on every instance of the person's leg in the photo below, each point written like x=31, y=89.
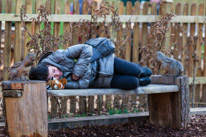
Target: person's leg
x=124, y=82
x=123, y=67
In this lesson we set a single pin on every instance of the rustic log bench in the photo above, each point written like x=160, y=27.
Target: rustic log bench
x=168, y=99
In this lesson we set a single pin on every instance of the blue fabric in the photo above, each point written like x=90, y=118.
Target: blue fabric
x=125, y=74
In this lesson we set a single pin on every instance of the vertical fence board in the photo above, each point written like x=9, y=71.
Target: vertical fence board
x=177, y=31
x=18, y=34
x=66, y=24
x=57, y=10
x=128, y=35
x=143, y=98
x=7, y=45
x=204, y=66
x=125, y=98
x=93, y=35
x=167, y=8
x=199, y=53
x=82, y=99
x=1, y=53
x=73, y=100
x=37, y=5
x=135, y=49
x=28, y=25
x=85, y=11
x=120, y=31
x=185, y=41
x=76, y=29
x=191, y=47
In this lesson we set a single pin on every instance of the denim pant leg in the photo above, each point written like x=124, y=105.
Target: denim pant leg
x=124, y=82
x=123, y=67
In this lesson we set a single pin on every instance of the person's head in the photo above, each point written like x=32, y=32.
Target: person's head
x=40, y=72
x=44, y=72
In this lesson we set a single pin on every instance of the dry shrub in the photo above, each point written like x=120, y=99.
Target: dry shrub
x=43, y=40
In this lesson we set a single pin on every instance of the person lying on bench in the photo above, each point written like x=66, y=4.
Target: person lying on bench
x=91, y=65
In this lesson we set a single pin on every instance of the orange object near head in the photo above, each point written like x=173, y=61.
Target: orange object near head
x=57, y=83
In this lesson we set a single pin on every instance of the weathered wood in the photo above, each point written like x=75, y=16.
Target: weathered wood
x=120, y=31
x=57, y=11
x=199, y=53
x=191, y=44
x=28, y=7
x=149, y=89
x=135, y=49
x=55, y=124
x=185, y=53
x=7, y=47
x=177, y=37
x=66, y=24
x=171, y=109
x=167, y=8
x=38, y=3
x=18, y=35
x=27, y=115
x=204, y=69
x=191, y=50
x=123, y=18
x=12, y=93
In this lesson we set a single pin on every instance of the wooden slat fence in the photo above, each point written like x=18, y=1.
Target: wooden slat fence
x=185, y=36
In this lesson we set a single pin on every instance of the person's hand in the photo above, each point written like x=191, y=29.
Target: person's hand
x=74, y=77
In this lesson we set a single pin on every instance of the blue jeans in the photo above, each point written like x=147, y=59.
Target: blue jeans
x=125, y=74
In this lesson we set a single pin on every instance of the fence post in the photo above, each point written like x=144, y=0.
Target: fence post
x=26, y=108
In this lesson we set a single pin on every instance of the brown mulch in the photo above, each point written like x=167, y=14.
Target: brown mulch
x=197, y=128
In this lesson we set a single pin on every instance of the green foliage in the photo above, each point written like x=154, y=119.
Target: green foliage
x=136, y=110
x=125, y=110
x=111, y=112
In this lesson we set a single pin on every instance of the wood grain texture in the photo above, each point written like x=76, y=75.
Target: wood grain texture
x=28, y=25
x=28, y=115
x=66, y=24
x=136, y=40
x=171, y=109
x=120, y=31
x=185, y=54
x=7, y=48
x=18, y=35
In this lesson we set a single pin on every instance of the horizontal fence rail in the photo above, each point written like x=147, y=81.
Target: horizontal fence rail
x=122, y=18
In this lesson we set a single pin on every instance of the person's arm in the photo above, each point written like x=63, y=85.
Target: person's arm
x=83, y=82
x=83, y=54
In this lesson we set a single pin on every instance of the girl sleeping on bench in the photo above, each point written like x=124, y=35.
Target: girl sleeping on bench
x=91, y=65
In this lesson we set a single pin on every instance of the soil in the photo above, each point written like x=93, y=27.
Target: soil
x=196, y=128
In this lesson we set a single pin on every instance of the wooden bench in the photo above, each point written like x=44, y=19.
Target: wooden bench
x=168, y=99
x=26, y=103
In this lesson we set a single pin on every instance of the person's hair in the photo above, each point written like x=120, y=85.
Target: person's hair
x=40, y=72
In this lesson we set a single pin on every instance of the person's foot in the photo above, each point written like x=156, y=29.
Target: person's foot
x=144, y=81
x=146, y=72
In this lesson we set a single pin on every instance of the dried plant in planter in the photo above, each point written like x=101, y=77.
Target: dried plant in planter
x=158, y=34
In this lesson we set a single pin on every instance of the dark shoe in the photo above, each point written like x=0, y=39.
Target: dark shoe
x=144, y=81
x=145, y=72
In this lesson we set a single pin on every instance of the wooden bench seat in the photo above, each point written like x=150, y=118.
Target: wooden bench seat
x=168, y=99
x=150, y=89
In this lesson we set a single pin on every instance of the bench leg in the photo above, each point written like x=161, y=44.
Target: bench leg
x=171, y=109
